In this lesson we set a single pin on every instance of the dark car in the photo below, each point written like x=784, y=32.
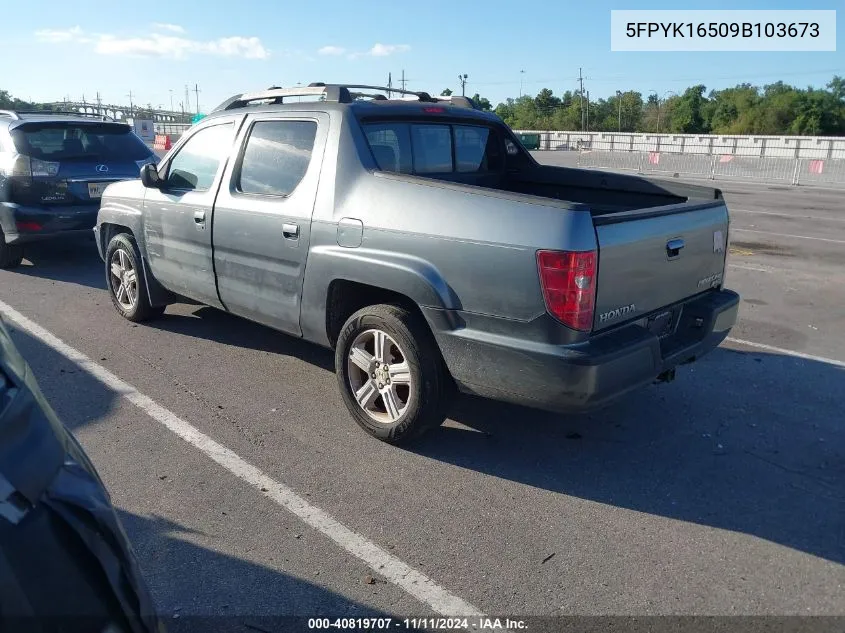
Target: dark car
x=65, y=562
x=53, y=170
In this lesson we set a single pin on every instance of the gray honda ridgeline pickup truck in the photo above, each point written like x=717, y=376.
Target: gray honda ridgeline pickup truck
x=418, y=238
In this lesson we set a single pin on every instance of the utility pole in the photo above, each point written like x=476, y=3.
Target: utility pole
x=131, y=105
x=171, y=99
x=463, y=80
x=403, y=81
x=389, y=83
x=99, y=103
x=581, y=98
x=197, y=92
x=187, y=99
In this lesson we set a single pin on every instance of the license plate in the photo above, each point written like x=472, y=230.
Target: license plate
x=95, y=189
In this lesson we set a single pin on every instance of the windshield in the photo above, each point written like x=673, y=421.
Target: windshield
x=66, y=141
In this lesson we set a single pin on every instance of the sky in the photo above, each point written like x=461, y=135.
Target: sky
x=153, y=50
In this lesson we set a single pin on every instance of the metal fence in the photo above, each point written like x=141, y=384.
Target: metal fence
x=174, y=130
x=789, y=160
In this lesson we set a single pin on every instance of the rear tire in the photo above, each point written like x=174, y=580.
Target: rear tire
x=391, y=375
x=11, y=255
x=126, y=282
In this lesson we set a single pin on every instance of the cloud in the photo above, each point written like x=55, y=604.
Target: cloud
x=159, y=45
x=61, y=36
x=332, y=50
x=164, y=26
x=385, y=50
x=381, y=50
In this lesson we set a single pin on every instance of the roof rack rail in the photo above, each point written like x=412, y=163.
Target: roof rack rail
x=337, y=93
x=15, y=114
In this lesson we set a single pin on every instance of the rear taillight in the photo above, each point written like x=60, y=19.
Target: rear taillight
x=26, y=167
x=44, y=168
x=568, y=279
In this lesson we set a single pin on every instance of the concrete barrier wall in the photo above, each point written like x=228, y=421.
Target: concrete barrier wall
x=785, y=159
x=812, y=147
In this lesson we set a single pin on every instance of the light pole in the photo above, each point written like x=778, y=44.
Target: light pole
x=171, y=99
x=463, y=80
x=521, y=75
x=619, y=99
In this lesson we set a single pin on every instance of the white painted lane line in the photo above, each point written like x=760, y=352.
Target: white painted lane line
x=787, y=352
x=380, y=561
x=796, y=215
x=800, y=237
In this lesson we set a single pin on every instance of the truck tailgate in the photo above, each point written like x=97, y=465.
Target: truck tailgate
x=656, y=257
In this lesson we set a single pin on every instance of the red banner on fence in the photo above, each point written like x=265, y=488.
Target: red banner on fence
x=654, y=158
x=816, y=166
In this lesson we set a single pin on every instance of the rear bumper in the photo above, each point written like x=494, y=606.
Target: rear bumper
x=588, y=375
x=19, y=222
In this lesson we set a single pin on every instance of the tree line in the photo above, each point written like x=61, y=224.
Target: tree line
x=773, y=109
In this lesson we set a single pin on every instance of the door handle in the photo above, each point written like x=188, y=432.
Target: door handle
x=673, y=247
x=290, y=231
x=199, y=217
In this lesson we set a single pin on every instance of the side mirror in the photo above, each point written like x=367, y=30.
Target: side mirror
x=150, y=177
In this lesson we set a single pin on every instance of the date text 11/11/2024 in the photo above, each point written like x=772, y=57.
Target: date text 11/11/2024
x=439, y=624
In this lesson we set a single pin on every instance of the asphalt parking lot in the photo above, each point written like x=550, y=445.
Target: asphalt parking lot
x=722, y=493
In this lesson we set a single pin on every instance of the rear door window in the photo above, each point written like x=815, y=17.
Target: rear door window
x=63, y=141
x=276, y=157
x=434, y=148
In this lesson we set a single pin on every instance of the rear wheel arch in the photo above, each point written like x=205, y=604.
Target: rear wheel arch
x=344, y=297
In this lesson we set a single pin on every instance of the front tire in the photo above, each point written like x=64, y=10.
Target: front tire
x=126, y=283
x=390, y=373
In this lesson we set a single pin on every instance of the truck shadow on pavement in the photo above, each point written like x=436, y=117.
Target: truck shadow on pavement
x=743, y=441
x=749, y=442
x=73, y=261
x=211, y=591
x=216, y=325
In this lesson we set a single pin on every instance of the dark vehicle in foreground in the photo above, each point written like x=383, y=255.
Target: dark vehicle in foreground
x=421, y=241
x=54, y=168
x=65, y=562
